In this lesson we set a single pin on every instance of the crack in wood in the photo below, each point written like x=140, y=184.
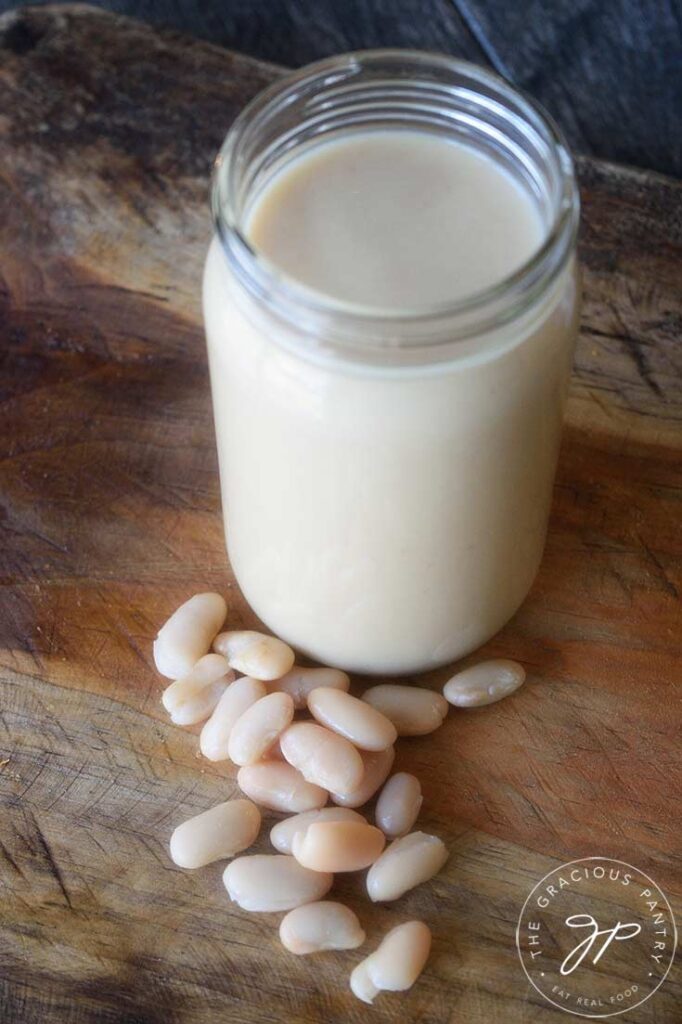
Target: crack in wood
x=49, y=858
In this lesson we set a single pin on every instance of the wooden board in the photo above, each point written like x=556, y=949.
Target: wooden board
x=110, y=517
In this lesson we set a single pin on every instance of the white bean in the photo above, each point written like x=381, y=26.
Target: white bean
x=216, y=834
x=299, y=681
x=318, y=926
x=485, y=683
x=188, y=634
x=238, y=697
x=255, y=654
x=192, y=698
x=323, y=757
x=338, y=845
x=361, y=984
x=396, y=964
x=399, y=804
x=259, y=727
x=282, y=834
x=200, y=707
x=354, y=719
x=407, y=862
x=413, y=711
x=270, y=882
x=277, y=785
x=376, y=765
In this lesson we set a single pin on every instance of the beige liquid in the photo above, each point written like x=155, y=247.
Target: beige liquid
x=388, y=519
x=396, y=219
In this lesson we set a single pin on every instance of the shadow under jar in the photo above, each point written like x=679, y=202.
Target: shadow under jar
x=391, y=304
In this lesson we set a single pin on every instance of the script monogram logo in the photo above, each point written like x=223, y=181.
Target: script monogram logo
x=619, y=932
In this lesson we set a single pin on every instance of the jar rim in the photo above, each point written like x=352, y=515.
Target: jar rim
x=465, y=317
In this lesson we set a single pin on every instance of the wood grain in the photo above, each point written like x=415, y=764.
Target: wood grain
x=110, y=517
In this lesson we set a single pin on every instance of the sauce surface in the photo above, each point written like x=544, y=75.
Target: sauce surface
x=395, y=219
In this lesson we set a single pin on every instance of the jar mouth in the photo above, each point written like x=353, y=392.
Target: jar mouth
x=394, y=88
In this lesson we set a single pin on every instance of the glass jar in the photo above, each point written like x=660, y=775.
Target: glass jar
x=386, y=476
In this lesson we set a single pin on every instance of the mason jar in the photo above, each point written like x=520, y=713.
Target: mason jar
x=386, y=474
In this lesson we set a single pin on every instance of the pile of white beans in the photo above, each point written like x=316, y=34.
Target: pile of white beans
x=344, y=751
